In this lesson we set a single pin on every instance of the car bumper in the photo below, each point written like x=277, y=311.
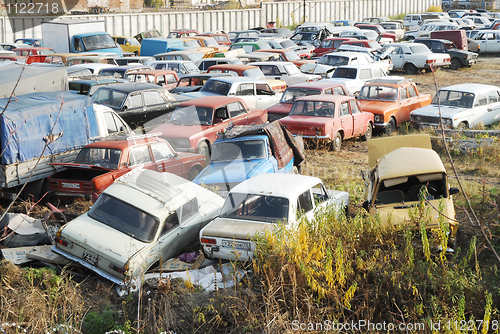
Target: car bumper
x=325, y=137
x=380, y=125
x=227, y=253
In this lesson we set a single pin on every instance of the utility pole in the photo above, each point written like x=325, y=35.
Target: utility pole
x=304, y=18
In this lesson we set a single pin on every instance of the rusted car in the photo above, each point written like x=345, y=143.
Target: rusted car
x=282, y=109
x=328, y=118
x=250, y=71
x=164, y=78
x=391, y=100
x=195, y=123
x=99, y=164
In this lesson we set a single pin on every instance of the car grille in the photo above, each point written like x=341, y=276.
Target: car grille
x=425, y=119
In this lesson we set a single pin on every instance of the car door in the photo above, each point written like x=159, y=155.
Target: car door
x=238, y=114
x=168, y=242
x=246, y=92
x=405, y=106
x=155, y=103
x=484, y=41
x=305, y=206
x=166, y=160
x=492, y=113
x=346, y=120
x=359, y=122
x=397, y=57
x=265, y=96
x=134, y=104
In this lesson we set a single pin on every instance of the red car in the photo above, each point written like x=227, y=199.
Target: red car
x=304, y=89
x=330, y=45
x=30, y=50
x=194, y=124
x=222, y=39
x=100, y=163
x=164, y=78
x=328, y=118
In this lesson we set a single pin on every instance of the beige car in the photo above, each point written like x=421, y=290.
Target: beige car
x=400, y=167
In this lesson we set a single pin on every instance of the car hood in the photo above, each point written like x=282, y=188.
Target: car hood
x=280, y=108
x=195, y=95
x=433, y=110
x=235, y=228
x=171, y=130
x=378, y=107
x=101, y=239
x=227, y=171
x=317, y=69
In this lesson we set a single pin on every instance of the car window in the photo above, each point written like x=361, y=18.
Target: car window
x=304, y=202
x=263, y=89
x=344, y=109
x=113, y=124
x=188, y=210
x=245, y=90
x=171, y=222
x=235, y=109
x=134, y=101
x=328, y=92
x=482, y=99
x=161, y=151
x=411, y=91
x=319, y=193
x=403, y=94
x=152, y=98
x=140, y=155
x=338, y=91
x=270, y=70
x=493, y=96
x=170, y=79
x=354, y=107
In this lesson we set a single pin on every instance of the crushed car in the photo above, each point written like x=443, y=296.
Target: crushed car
x=142, y=219
x=259, y=204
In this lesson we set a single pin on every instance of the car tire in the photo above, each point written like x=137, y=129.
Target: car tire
x=193, y=172
x=369, y=132
x=411, y=69
x=204, y=149
x=337, y=142
x=462, y=126
x=455, y=64
x=390, y=127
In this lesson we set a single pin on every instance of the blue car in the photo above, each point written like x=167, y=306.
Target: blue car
x=243, y=156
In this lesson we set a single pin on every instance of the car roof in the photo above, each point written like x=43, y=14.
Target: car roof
x=470, y=88
x=231, y=67
x=172, y=61
x=240, y=79
x=277, y=184
x=325, y=98
x=125, y=141
x=129, y=87
x=211, y=101
x=406, y=161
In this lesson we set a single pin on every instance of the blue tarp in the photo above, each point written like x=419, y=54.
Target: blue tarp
x=27, y=122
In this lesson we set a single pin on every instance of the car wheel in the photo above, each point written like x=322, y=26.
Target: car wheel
x=337, y=142
x=455, y=64
x=193, y=172
x=390, y=127
x=411, y=69
x=463, y=126
x=369, y=132
x=204, y=149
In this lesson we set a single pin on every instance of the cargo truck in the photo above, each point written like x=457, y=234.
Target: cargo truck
x=78, y=36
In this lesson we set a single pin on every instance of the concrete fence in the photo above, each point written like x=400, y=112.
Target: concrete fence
x=315, y=11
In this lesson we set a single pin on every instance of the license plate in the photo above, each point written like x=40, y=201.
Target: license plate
x=92, y=259
x=236, y=244
x=71, y=185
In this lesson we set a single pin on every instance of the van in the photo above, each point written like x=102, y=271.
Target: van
x=413, y=20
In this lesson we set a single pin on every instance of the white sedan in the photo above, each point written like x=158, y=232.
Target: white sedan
x=355, y=76
x=462, y=106
x=285, y=71
x=414, y=57
x=261, y=202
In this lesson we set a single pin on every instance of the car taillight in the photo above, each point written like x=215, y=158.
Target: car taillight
x=430, y=61
x=63, y=242
x=118, y=269
x=211, y=241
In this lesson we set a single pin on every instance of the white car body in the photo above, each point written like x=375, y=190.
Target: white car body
x=182, y=67
x=462, y=106
x=426, y=29
x=176, y=210
x=405, y=56
x=479, y=21
x=95, y=68
x=269, y=198
x=285, y=71
x=489, y=41
x=249, y=90
x=355, y=76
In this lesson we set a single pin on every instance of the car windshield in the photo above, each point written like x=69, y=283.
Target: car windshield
x=287, y=44
x=291, y=69
x=216, y=87
x=110, y=98
x=313, y=108
x=263, y=208
x=419, y=48
x=98, y=42
x=46, y=52
x=334, y=60
x=211, y=42
x=291, y=55
x=102, y=157
x=454, y=99
x=232, y=35
x=347, y=73
x=192, y=43
x=254, y=73
x=192, y=115
x=133, y=41
x=389, y=25
x=239, y=150
x=291, y=94
x=306, y=36
x=378, y=93
x=125, y=218
x=79, y=87
x=191, y=67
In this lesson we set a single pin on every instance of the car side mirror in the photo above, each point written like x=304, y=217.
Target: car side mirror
x=124, y=108
x=366, y=205
x=454, y=190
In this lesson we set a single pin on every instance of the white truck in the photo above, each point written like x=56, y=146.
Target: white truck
x=78, y=36
x=40, y=128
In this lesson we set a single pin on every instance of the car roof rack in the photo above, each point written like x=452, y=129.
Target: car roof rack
x=390, y=80
x=135, y=137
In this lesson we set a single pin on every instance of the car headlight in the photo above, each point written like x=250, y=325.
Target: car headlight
x=378, y=118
